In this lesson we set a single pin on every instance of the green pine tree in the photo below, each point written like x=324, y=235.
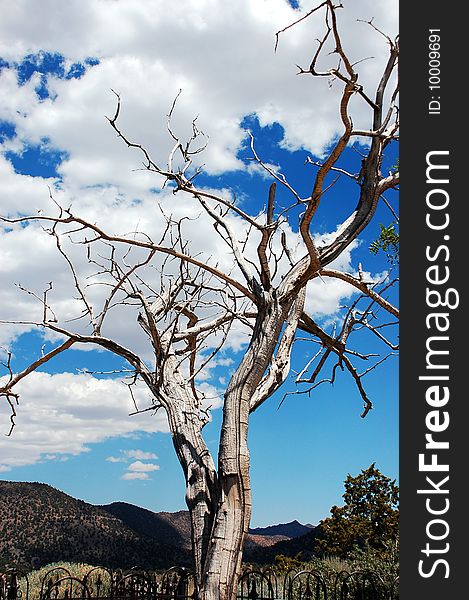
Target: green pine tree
x=369, y=518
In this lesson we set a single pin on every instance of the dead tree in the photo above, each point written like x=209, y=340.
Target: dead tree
x=188, y=310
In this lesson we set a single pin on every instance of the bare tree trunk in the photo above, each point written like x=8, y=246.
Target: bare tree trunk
x=223, y=564
x=201, y=496
x=185, y=424
x=233, y=512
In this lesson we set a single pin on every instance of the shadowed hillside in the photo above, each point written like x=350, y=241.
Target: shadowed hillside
x=168, y=528
x=175, y=528
x=39, y=525
x=301, y=547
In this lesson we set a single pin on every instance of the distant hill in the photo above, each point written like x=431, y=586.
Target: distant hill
x=168, y=528
x=302, y=547
x=175, y=528
x=289, y=530
x=40, y=524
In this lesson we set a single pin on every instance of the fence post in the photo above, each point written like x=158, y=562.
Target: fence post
x=12, y=588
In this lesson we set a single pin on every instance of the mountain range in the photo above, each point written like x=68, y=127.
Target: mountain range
x=40, y=524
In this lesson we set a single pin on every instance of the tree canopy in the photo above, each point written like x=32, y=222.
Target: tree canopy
x=368, y=519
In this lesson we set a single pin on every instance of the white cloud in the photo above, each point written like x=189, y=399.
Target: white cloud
x=224, y=362
x=116, y=459
x=140, y=454
x=15, y=188
x=254, y=168
x=221, y=55
x=141, y=467
x=34, y=270
x=224, y=61
x=136, y=469
x=127, y=455
x=62, y=414
x=133, y=475
x=225, y=64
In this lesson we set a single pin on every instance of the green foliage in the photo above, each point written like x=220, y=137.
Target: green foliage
x=286, y=563
x=388, y=242
x=385, y=565
x=384, y=570
x=368, y=520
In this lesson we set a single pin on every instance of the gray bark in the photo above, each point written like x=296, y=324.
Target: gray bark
x=233, y=511
x=185, y=424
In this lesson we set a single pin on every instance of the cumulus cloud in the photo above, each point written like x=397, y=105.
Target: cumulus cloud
x=127, y=455
x=62, y=414
x=34, y=270
x=221, y=55
x=140, y=454
x=224, y=62
x=141, y=467
x=136, y=469
x=148, y=62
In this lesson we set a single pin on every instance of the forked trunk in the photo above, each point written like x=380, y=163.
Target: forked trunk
x=233, y=511
x=220, y=510
x=185, y=424
x=220, y=503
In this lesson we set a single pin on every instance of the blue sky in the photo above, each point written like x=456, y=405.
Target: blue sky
x=73, y=430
